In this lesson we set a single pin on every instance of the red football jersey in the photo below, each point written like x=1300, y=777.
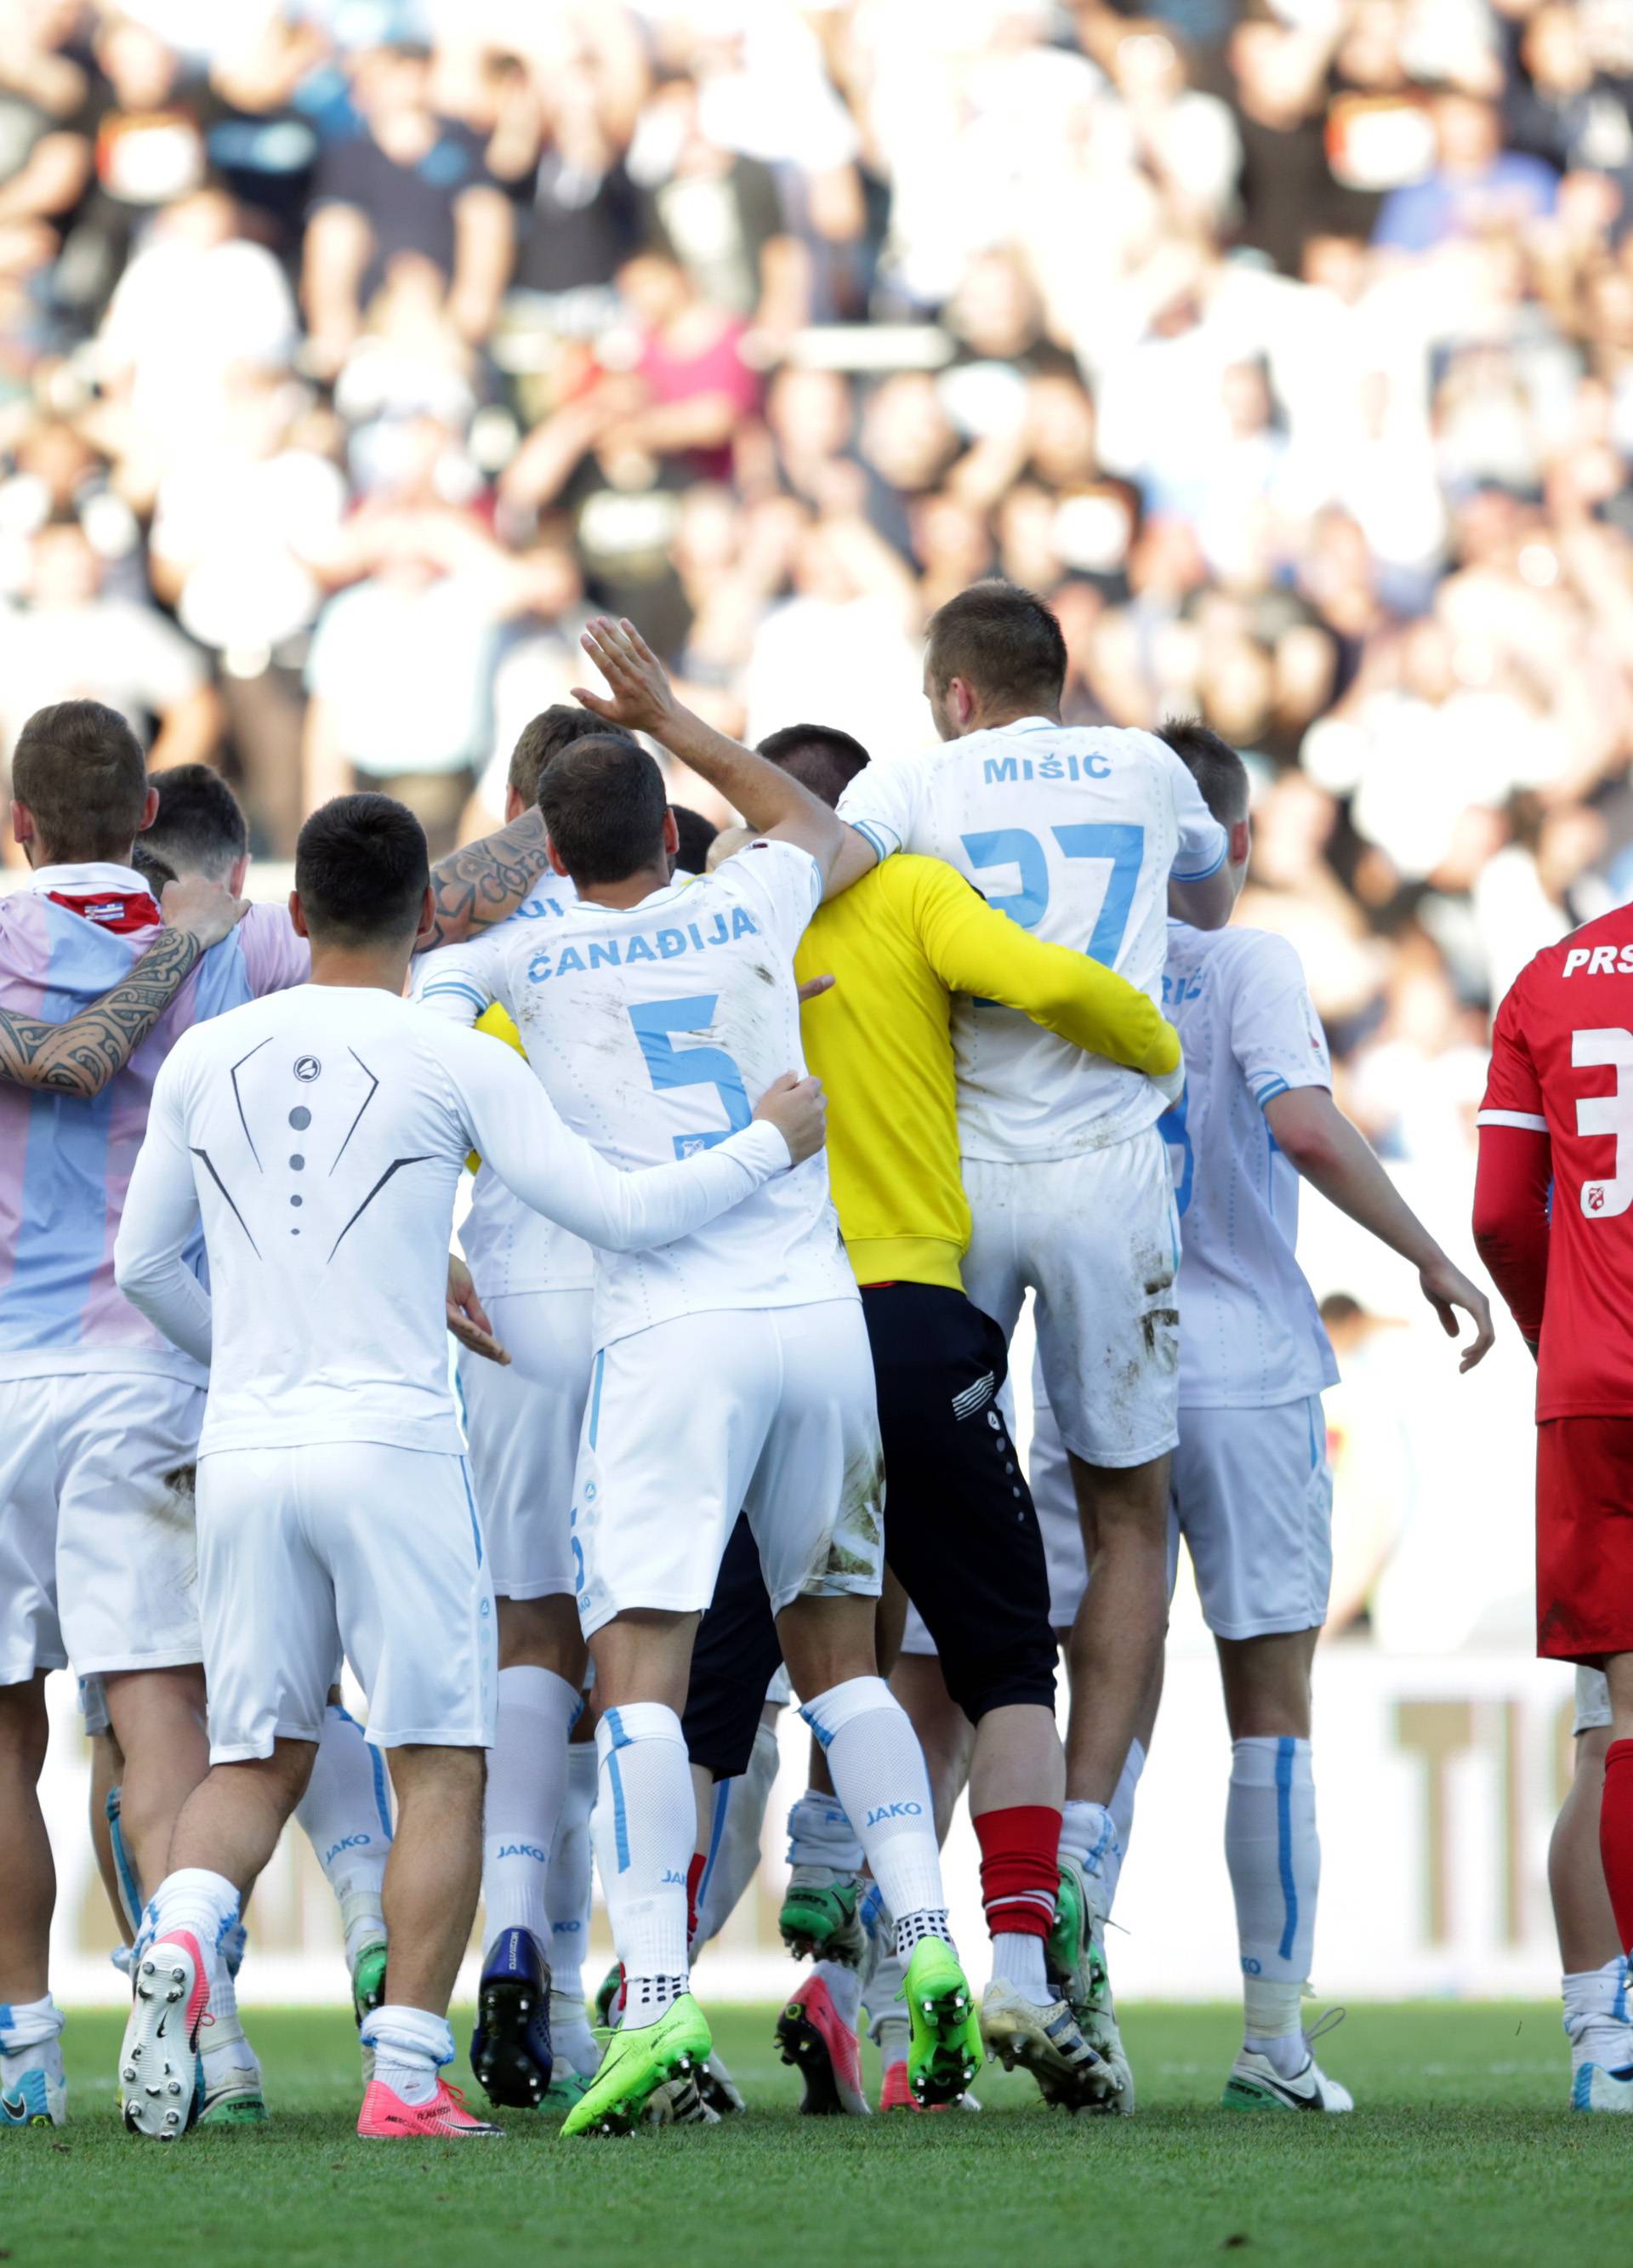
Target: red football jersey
x=1561, y=1067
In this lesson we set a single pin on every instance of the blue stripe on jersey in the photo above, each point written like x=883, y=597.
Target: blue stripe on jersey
x=1312, y=1407
x=1269, y=1092
x=1202, y=872
x=460, y=989
x=1285, y=1749
x=871, y=834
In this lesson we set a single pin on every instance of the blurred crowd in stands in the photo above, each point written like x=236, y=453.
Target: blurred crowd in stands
x=352, y=351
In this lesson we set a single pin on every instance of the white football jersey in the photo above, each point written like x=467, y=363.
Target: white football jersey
x=509, y=1247
x=1074, y=832
x=320, y=1134
x=655, y=1029
x=1249, y=1332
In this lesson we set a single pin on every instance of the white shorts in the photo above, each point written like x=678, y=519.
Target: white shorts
x=1592, y=1701
x=96, y=1522
x=767, y=1410
x=1097, y=1239
x=1253, y=1495
x=353, y=1545
x=523, y=1423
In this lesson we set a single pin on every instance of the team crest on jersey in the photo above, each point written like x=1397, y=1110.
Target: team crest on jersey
x=307, y=1067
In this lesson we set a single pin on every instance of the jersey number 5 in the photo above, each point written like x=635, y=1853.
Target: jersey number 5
x=1608, y=1114
x=669, y=1066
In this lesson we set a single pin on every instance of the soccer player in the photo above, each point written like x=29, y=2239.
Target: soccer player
x=960, y=1534
x=1554, y=1223
x=100, y=1415
x=1252, y=1489
x=1593, y=1983
x=1085, y=837
x=523, y=1420
x=320, y=1135
x=733, y=1373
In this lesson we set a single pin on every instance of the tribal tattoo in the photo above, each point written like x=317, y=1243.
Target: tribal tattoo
x=486, y=881
x=79, y=1057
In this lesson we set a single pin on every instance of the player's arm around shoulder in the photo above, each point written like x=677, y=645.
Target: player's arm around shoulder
x=160, y=1213
x=976, y=950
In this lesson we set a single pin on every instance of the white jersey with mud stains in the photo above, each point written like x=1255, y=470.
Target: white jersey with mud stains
x=1074, y=832
x=510, y=1247
x=1250, y=1334
x=655, y=1029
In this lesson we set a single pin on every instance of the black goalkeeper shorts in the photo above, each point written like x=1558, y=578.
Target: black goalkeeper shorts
x=960, y=1532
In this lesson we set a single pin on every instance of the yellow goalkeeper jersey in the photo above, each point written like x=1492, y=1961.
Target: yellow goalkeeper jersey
x=898, y=945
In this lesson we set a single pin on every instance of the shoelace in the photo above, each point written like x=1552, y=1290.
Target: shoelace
x=1328, y=2020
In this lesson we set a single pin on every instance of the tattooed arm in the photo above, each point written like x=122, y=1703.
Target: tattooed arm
x=486, y=881
x=78, y=1058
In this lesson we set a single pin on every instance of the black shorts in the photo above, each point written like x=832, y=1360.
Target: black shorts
x=734, y=1660
x=962, y=1536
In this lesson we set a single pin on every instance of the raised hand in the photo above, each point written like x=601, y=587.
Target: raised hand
x=642, y=699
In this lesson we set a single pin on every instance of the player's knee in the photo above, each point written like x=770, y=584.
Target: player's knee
x=438, y=1780
x=542, y=1634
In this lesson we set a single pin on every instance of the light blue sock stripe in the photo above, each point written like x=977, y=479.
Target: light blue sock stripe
x=124, y=1867
x=382, y=1801
x=1285, y=1749
x=717, y=1828
x=620, y=1739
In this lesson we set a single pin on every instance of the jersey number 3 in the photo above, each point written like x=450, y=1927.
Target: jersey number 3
x=1608, y=1114
x=669, y=1066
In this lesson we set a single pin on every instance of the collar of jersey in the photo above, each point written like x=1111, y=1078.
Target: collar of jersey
x=1028, y=725
x=94, y=874
x=678, y=881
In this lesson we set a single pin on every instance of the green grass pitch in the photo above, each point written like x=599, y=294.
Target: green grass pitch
x=1463, y=2150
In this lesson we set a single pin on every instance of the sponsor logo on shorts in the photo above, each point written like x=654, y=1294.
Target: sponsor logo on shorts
x=907, y=1810
x=975, y=1397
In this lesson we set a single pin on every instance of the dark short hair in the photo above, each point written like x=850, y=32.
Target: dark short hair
x=80, y=769
x=201, y=827
x=156, y=872
x=604, y=803
x=1004, y=642
x=818, y=756
x=696, y=833
x=542, y=738
x=1213, y=763
x=361, y=868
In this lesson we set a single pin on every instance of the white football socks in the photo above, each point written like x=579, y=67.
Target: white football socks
x=30, y=2038
x=736, y=1832
x=526, y=1791
x=878, y=1769
x=1273, y=1855
x=1122, y=1810
x=1596, y=2016
x=194, y=1899
x=1018, y=1961
x=1088, y=1833
x=410, y=2047
x=645, y=1826
x=567, y=1896
x=820, y=1832
x=346, y=1816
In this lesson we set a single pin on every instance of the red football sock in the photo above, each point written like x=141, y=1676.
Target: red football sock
x=1020, y=1868
x=1615, y=1837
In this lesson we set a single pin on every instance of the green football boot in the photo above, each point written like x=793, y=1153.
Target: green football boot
x=820, y=1916
x=636, y=2064
x=1076, y=1960
x=368, y=1980
x=561, y=2094
x=944, y=2049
